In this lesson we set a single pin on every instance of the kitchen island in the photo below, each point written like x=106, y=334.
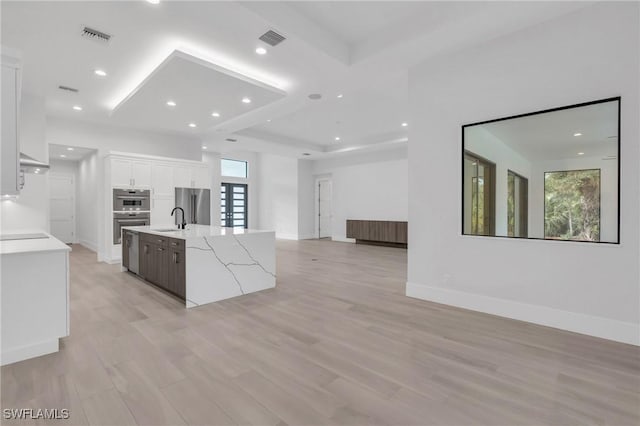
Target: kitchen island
x=201, y=264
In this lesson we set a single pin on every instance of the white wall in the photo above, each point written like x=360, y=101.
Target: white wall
x=368, y=186
x=306, y=200
x=31, y=209
x=87, y=201
x=213, y=160
x=588, y=288
x=278, y=195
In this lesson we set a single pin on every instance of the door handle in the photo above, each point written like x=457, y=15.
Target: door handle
x=160, y=249
x=175, y=257
x=146, y=249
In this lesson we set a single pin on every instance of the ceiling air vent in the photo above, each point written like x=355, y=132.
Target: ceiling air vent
x=68, y=89
x=95, y=34
x=231, y=140
x=272, y=38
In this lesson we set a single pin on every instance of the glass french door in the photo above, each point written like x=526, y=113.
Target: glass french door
x=234, y=199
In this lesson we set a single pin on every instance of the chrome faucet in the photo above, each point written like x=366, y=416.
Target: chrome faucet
x=183, y=224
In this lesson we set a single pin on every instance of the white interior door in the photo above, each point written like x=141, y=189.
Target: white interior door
x=324, y=208
x=62, y=207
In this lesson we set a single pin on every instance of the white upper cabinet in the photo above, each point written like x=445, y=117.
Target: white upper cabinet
x=130, y=173
x=161, y=176
x=141, y=174
x=10, y=141
x=121, y=173
x=191, y=176
x=182, y=176
x=162, y=179
x=201, y=177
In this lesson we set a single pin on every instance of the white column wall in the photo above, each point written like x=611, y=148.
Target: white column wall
x=591, y=54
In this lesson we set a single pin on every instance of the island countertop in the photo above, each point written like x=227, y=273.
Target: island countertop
x=193, y=231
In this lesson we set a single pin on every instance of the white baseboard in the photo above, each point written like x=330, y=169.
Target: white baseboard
x=89, y=244
x=343, y=239
x=307, y=237
x=605, y=328
x=286, y=236
x=31, y=351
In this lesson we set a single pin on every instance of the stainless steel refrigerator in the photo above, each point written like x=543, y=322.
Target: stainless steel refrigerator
x=196, y=205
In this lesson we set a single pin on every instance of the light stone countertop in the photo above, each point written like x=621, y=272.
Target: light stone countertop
x=194, y=231
x=31, y=245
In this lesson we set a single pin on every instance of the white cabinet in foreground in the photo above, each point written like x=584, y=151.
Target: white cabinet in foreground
x=35, y=297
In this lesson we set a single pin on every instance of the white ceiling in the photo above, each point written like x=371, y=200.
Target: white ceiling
x=355, y=22
x=360, y=49
x=198, y=89
x=68, y=152
x=550, y=136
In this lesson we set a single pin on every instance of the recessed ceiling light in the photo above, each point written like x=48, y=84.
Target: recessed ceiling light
x=62, y=155
x=269, y=121
x=192, y=124
x=100, y=73
x=69, y=149
x=204, y=147
x=315, y=96
x=405, y=124
x=77, y=107
x=153, y=1
x=340, y=96
x=246, y=100
x=577, y=134
x=215, y=114
x=337, y=138
x=581, y=153
x=261, y=51
x=171, y=103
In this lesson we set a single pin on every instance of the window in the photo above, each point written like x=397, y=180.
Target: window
x=517, y=205
x=479, y=217
x=233, y=168
x=572, y=205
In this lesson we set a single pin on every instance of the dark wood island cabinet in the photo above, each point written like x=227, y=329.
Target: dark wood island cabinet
x=161, y=261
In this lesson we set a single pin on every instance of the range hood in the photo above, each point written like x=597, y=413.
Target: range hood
x=31, y=165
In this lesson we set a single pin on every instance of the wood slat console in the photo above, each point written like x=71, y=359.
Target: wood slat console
x=378, y=232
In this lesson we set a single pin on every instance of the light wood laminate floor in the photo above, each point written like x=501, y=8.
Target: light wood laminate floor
x=336, y=342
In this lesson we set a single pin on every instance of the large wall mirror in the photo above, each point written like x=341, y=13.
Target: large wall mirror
x=550, y=175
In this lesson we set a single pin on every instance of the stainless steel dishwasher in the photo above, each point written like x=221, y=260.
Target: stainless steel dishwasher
x=134, y=260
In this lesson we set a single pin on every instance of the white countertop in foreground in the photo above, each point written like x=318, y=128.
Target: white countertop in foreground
x=32, y=245
x=194, y=231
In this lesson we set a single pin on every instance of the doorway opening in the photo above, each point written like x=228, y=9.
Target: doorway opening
x=324, y=196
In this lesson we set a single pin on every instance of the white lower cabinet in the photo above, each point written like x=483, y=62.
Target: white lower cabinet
x=35, y=299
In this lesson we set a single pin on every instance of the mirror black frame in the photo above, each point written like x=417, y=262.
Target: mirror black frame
x=583, y=104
